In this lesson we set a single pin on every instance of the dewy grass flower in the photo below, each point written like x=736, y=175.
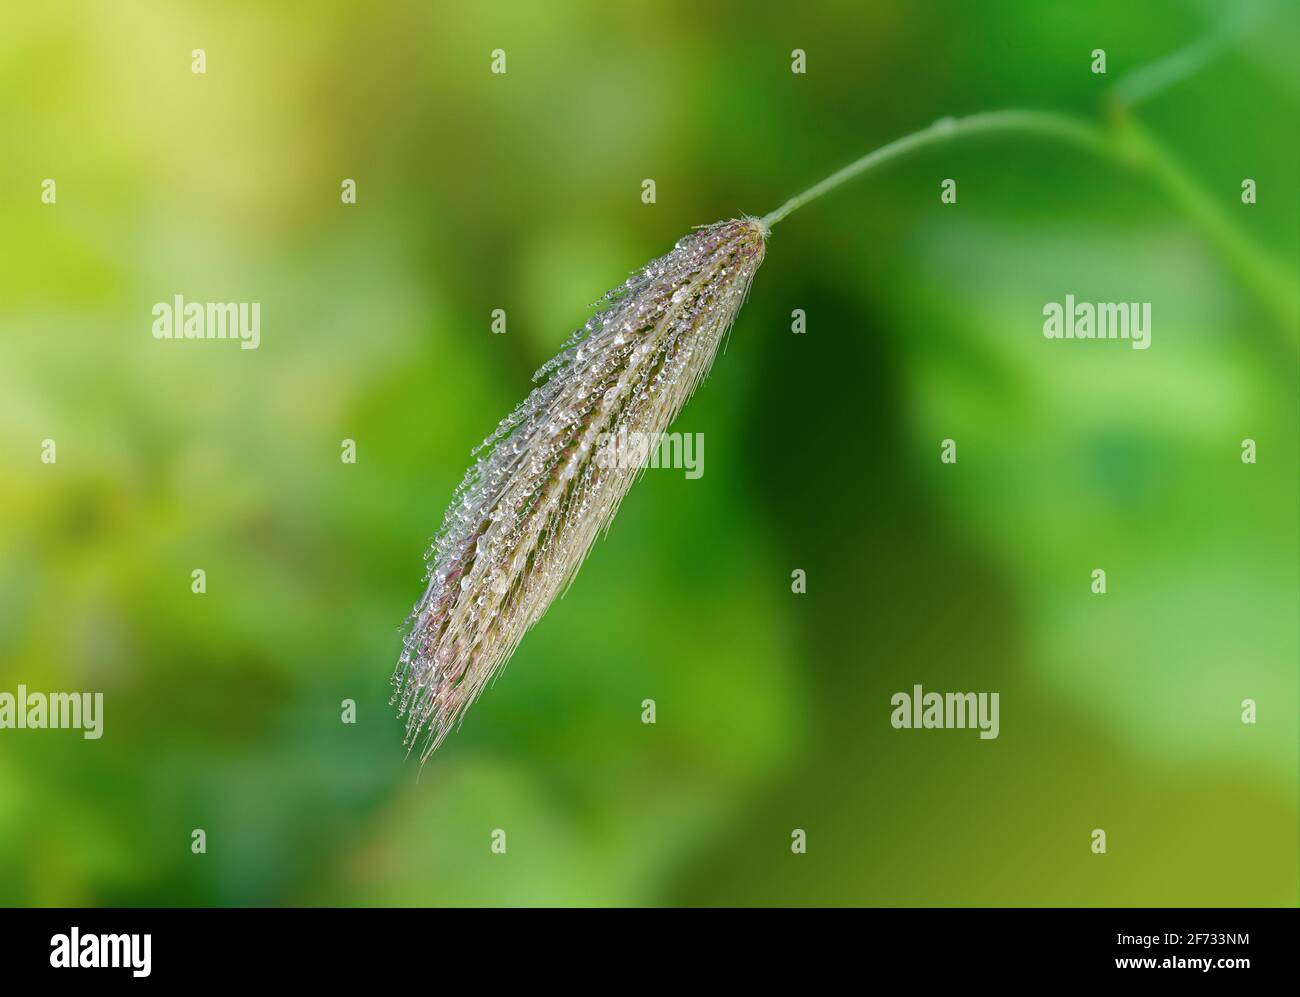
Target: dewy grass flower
x=529, y=510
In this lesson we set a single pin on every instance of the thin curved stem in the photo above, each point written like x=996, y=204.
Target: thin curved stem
x=1124, y=142
x=1047, y=123
x=1272, y=284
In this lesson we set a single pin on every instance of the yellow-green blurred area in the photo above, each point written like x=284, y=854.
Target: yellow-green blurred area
x=522, y=191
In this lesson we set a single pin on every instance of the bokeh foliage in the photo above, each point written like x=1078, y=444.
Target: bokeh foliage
x=522, y=192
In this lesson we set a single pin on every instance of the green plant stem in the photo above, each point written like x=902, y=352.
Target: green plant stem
x=1260, y=273
x=1047, y=123
x=1127, y=143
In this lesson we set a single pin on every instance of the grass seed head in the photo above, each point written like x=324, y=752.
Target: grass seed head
x=532, y=504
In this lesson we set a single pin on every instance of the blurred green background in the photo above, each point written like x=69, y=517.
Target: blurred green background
x=522, y=191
